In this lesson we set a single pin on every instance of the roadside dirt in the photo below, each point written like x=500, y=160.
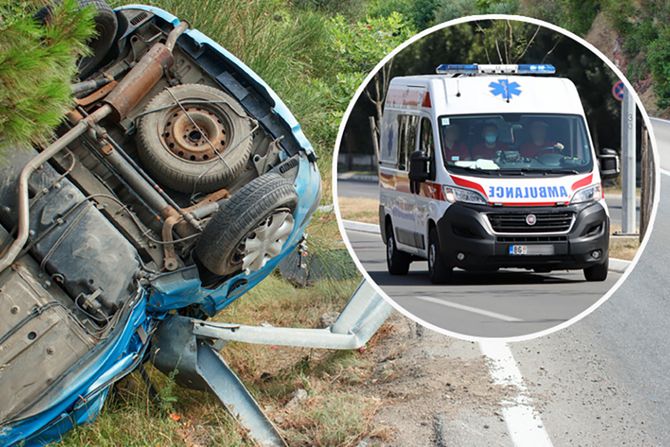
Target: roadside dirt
x=421, y=380
x=359, y=209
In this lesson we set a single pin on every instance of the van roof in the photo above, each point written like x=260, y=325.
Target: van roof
x=485, y=94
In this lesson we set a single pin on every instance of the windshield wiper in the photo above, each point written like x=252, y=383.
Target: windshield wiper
x=564, y=171
x=524, y=171
x=468, y=168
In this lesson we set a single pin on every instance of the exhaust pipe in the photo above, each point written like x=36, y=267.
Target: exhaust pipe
x=125, y=96
x=82, y=126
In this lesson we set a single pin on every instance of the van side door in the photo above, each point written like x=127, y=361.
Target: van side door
x=421, y=190
x=403, y=204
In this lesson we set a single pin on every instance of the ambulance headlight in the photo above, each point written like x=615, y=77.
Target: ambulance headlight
x=588, y=194
x=463, y=195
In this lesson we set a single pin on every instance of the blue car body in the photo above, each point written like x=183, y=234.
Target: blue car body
x=82, y=395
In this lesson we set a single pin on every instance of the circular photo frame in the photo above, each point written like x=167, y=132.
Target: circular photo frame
x=492, y=206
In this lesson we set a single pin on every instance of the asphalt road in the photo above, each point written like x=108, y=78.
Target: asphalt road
x=606, y=379
x=501, y=304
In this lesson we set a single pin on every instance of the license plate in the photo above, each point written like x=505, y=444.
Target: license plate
x=532, y=250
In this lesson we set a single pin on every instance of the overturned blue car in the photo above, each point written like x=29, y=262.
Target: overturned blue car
x=177, y=183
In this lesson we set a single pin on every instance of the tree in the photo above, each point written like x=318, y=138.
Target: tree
x=361, y=45
x=37, y=65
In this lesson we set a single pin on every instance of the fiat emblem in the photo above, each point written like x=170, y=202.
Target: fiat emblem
x=531, y=219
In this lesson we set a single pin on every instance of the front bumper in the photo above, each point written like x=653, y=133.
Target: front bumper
x=465, y=229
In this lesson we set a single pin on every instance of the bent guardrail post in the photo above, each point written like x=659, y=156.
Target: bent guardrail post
x=185, y=349
x=360, y=319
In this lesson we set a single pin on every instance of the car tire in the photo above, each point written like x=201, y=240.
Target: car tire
x=186, y=164
x=397, y=261
x=106, y=26
x=246, y=218
x=597, y=272
x=438, y=271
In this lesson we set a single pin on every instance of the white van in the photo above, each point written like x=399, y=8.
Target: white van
x=491, y=166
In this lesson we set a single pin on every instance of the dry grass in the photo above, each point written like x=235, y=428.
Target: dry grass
x=623, y=247
x=359, y=209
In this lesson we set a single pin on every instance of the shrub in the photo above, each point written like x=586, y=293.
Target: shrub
x=37, y=64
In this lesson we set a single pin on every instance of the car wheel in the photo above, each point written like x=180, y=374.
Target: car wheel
x=106, y=26
x=438, y=271
x=250, y=228
x=198, y=148
x=397, y=261
x=597, y=272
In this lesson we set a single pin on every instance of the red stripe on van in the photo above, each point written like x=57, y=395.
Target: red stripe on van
x=583, y=182
x=469, y=184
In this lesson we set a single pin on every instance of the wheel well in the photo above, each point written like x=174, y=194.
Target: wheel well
x=387, y=224
x=431, y=226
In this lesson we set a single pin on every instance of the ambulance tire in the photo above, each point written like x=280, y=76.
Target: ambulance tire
x=438, y=271
x=597, y=272
x=397, y=261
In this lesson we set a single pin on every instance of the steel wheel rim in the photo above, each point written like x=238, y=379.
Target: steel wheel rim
x=265, y=241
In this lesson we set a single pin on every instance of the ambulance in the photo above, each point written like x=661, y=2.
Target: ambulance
x=484, y=167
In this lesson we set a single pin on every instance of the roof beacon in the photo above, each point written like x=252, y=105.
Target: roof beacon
x=474, y=69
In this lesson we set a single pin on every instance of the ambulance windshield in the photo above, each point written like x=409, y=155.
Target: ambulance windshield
x=515, y=144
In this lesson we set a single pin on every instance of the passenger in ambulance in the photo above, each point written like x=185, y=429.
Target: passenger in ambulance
x=489, y=145
x=538, y=143
x=453, y=148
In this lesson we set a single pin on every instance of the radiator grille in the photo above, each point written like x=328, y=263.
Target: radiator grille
x=545, y=222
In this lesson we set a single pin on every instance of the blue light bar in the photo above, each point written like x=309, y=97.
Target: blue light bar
x=472, y=69
x=456, y=68
x=536, y=69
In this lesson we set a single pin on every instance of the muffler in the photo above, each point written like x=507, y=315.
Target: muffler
x=144, y=75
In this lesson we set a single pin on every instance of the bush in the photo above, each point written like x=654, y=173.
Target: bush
x=658, y=57
x=37, y=65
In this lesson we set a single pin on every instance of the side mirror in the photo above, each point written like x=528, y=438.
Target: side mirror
x=610, y=165
x=419, y=167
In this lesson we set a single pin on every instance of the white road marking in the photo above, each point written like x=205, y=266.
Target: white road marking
x=524, y=423
x=665, y=172
x=659, y=119
x=475, y=310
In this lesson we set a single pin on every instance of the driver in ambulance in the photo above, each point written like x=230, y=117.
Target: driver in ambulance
x=538, y=143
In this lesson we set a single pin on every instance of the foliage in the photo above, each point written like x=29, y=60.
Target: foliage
x=421, y=13
x=658, y=56
x=360, y=46
x=452, y=9
x=37, y=64
x=645, y=29
x=573, y=15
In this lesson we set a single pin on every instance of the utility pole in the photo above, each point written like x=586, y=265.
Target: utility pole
x=628, y=164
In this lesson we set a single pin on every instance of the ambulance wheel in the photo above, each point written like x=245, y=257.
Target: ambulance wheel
x=397, y=261
x=438, y=271
x=597, y=272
